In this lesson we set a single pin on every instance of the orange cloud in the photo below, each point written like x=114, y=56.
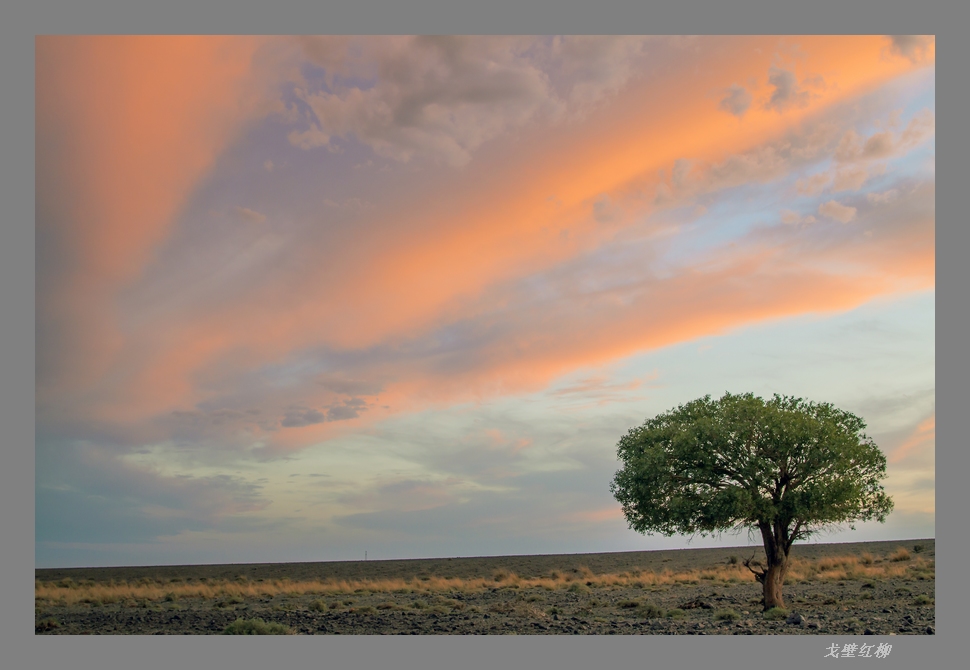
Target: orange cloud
x=126, y=127
x=606, y=514
x=922, y=437
x=442, y=250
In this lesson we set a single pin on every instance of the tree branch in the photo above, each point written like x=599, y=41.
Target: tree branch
x=758, y=574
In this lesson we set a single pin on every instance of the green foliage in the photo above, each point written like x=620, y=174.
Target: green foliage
x=726, y=615
x=776, y=614
x=743, y=462
x=255, y=627
x=651, y=611
x=46, y=625
x=676, y=613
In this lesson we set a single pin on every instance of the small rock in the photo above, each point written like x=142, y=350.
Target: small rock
x=930, y=630
x=813, y=624
x=795, y=619
x=869, y=631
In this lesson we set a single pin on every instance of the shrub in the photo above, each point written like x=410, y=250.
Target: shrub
x=923, y=599
x=255, y=627
x=576, y=587
x=318, y=606
x=676, y=613
x=776, y=614
x=732, y=559
x=651, y=611
x=628, y=604
x=866, y=558
x=918, y=548
x=726, y=615
x=47, y=624
x=901, y=554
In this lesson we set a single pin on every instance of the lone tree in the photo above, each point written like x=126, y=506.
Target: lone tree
x=785, y=466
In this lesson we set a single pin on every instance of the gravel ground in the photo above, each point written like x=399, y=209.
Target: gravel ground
x=879, y=607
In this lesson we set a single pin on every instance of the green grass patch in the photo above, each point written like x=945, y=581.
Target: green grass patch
x=651, y=611
x=255, y=627
x=46, y=625
x=776, y=614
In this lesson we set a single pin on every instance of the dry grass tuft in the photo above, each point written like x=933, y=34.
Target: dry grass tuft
x=66, y=592
x=901, y=554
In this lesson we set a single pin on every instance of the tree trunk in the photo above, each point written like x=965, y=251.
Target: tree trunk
x=774, y=579
x=776, y=558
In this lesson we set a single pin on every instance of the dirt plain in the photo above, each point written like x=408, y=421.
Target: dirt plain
x=493, y=595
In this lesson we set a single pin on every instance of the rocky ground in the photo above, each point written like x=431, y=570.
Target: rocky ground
x=865, y=606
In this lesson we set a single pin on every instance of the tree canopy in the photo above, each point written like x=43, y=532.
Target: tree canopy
x=786, y=467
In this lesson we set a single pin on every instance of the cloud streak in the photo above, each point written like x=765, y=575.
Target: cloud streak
x=271, y=249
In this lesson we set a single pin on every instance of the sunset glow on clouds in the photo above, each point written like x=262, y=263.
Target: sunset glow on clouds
x=302, y=297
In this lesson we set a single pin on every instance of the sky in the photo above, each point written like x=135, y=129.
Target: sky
x=298, y=298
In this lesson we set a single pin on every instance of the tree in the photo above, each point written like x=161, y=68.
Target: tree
x=786, y=467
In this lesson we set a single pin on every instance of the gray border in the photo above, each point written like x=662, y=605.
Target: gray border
x=22, y=650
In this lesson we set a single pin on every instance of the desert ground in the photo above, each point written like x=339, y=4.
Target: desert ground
x=880, y=588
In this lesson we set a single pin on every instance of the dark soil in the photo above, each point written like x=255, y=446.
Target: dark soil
x=880, y=607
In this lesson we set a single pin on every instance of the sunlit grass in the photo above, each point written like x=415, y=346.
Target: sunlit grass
x=66, y=592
